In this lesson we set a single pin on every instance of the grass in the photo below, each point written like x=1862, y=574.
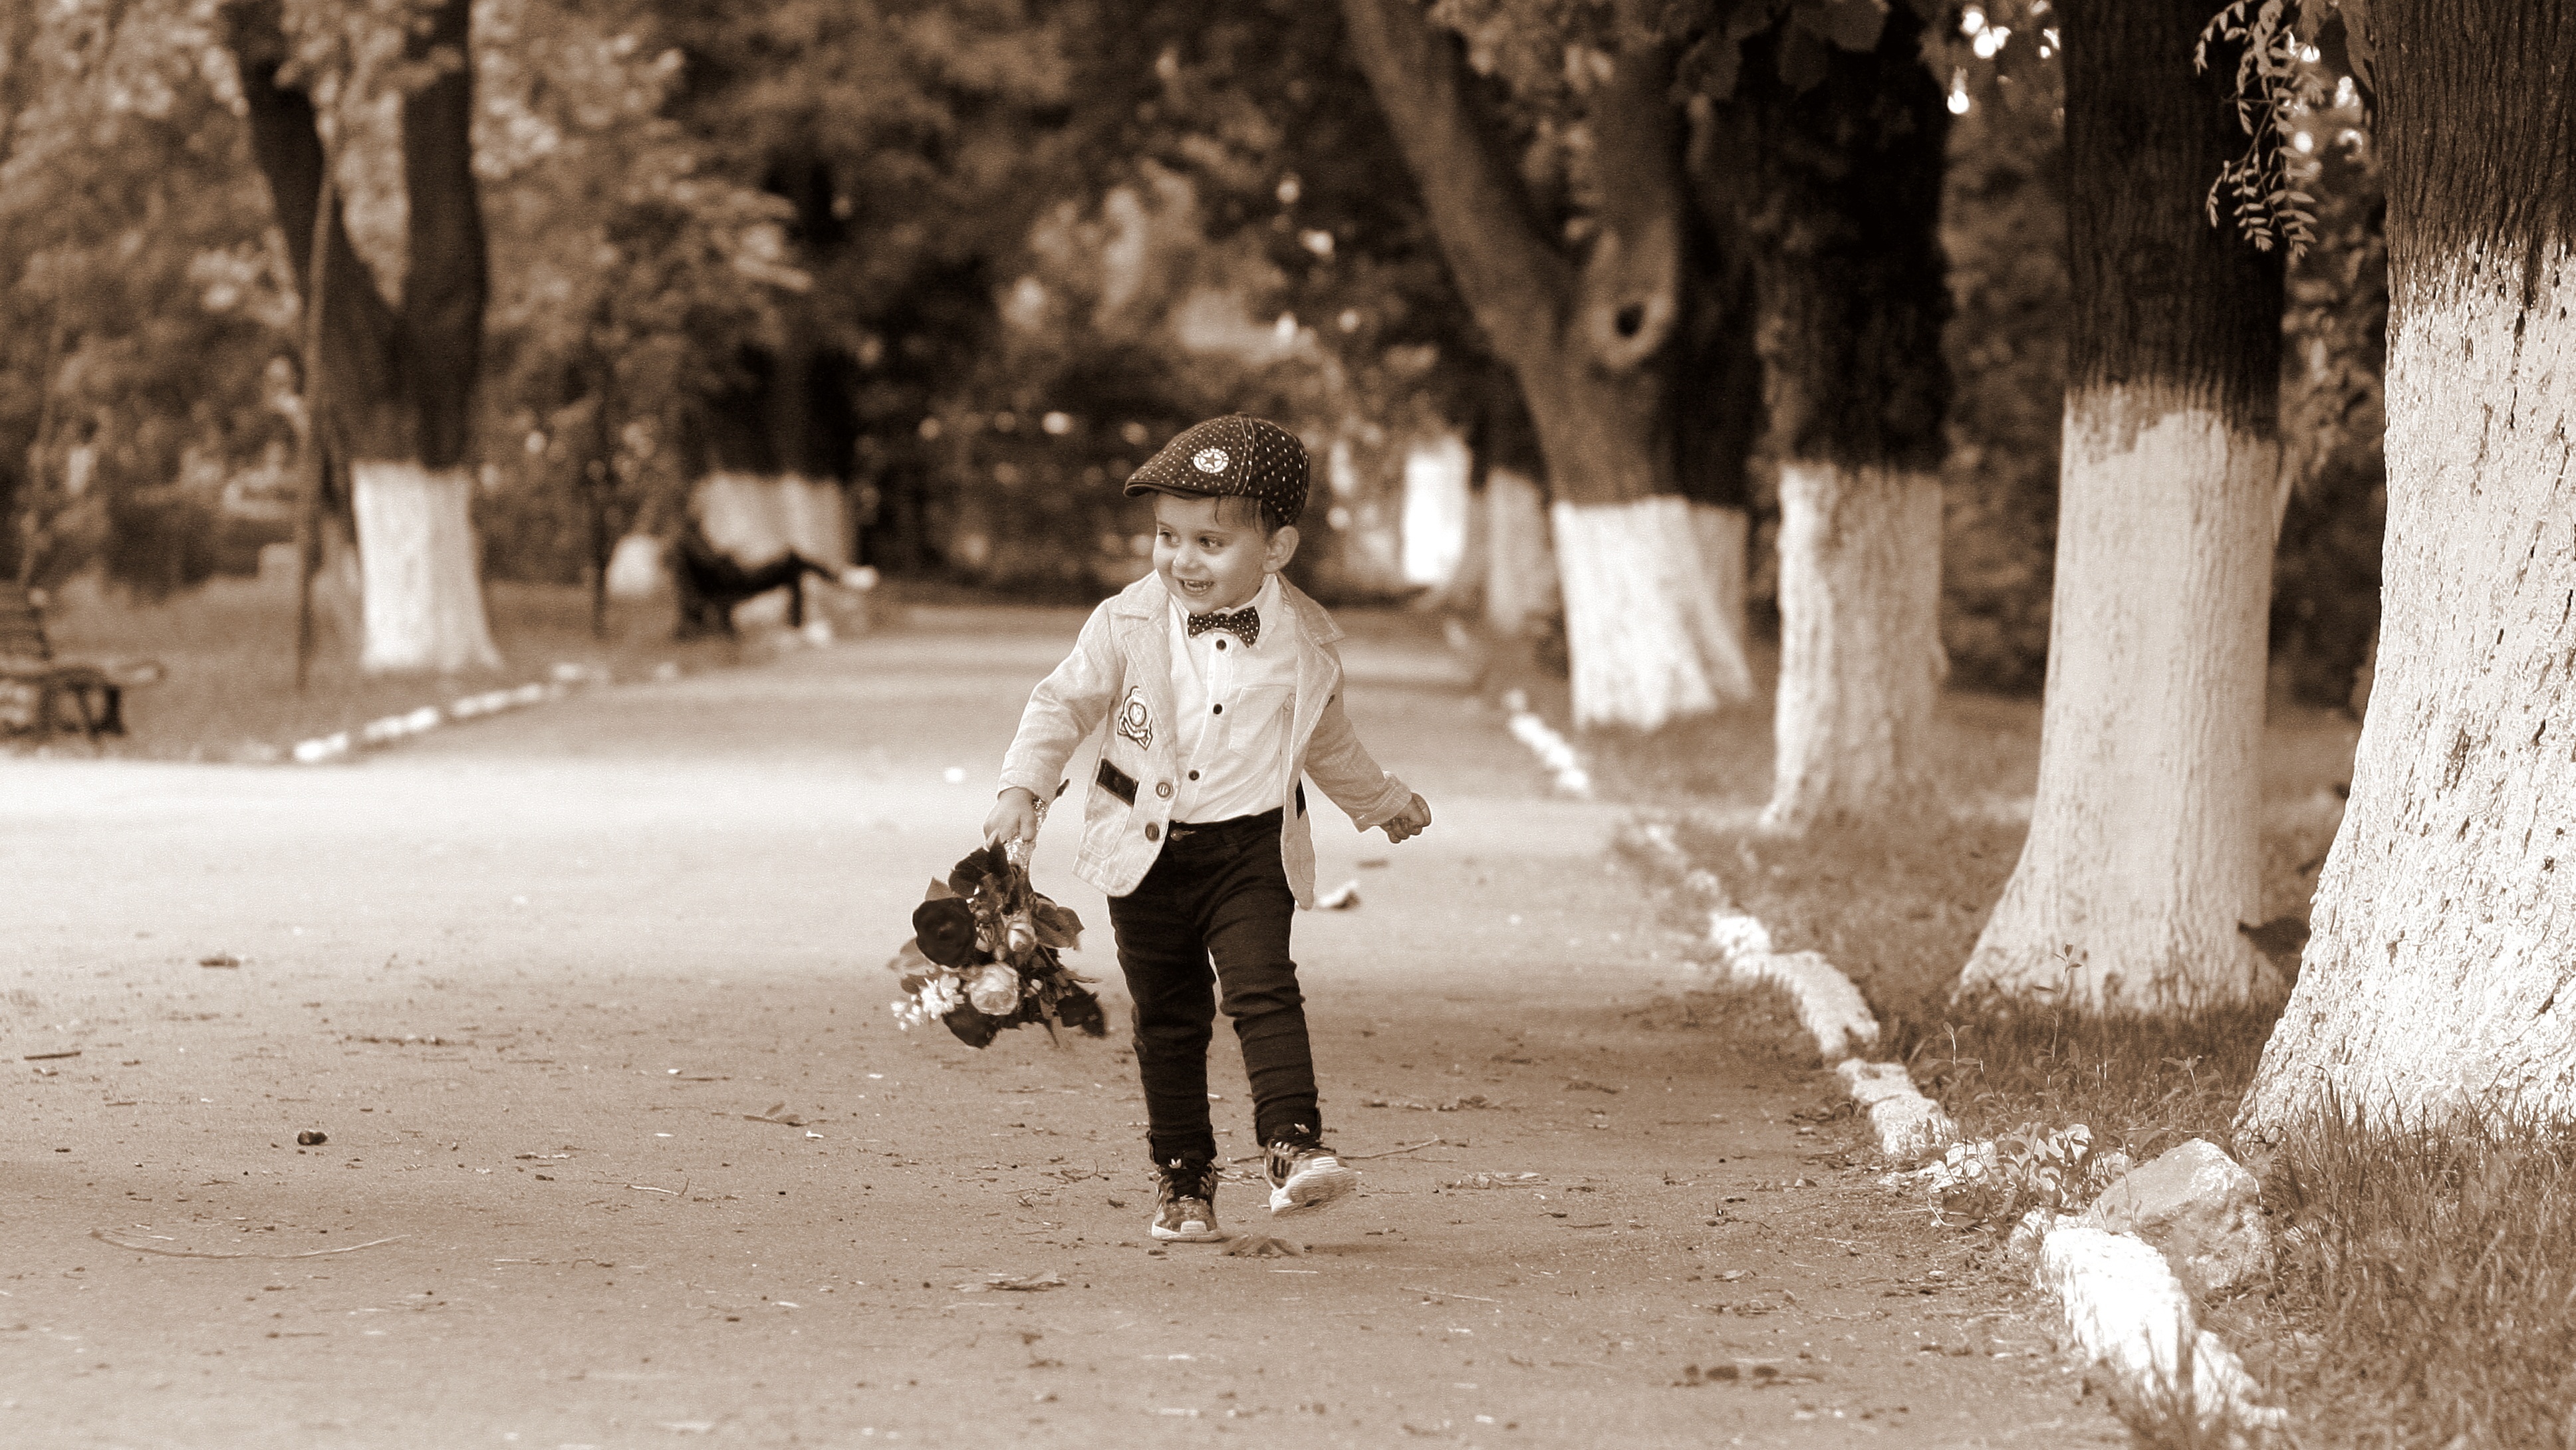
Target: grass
x=229, y=649
x=2426, y=1293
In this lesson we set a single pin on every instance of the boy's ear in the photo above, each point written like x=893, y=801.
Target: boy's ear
x=1282, y=548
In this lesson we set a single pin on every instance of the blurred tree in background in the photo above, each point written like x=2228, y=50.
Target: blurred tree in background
x=140, y=305
x=966, y=261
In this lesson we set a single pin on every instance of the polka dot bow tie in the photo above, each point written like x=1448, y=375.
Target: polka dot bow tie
x=1244, y=622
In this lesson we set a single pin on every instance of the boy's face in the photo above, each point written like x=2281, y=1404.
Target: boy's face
x=1211, y=553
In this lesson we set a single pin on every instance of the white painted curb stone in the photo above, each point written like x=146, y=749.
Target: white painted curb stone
x=390, y=729
x=1907, y=1122
x=2128, y=1312
x=1551, y=748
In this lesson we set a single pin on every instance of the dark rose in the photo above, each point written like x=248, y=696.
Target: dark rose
x=970, y=872
x=946, y=931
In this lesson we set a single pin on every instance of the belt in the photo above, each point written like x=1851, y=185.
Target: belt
x=1236, y=826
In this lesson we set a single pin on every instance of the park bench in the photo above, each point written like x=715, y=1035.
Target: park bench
x=51, y=694
x=710, y=582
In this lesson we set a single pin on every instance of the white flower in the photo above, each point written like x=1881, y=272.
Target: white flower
x=995, y=991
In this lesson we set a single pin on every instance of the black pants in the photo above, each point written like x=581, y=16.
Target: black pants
x=1212, y=916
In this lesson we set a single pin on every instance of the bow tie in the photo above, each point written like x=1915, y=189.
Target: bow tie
x=1245, y=624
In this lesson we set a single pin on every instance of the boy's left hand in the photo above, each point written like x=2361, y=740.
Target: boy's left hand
x=1412, y=821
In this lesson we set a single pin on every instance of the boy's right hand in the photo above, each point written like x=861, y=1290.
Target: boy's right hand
x=1014, y=817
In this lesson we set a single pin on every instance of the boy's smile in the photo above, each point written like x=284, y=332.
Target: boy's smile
x=1211, y=553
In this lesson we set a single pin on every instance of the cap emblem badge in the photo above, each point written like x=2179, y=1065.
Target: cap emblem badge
x=1210, y=460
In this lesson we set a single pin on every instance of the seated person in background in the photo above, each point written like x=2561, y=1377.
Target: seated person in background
x=710, y=582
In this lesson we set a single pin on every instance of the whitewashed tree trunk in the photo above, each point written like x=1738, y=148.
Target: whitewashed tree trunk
x=1860, y=641
x=1520, y=564
x=1642, y=620
x=756, y=517
x=1724, y=536
x=416, y=556
x=2444, y=933
x=2144, y=850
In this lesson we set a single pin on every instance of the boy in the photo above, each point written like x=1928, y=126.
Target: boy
x=1215, y=687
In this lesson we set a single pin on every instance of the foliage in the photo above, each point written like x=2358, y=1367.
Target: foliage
x=141, y=300
x=2278, y=79
x=630, y=275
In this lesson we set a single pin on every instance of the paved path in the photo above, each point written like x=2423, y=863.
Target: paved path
x=541, y=981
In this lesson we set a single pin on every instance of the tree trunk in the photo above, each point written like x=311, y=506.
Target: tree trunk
x=1642, y=596
x=1520, y=575
x=2436, y=977
x=399, y=401
x=1588, y=346
x=424, y=606
x=1860, y=642
x=1837, y=190
x=2144, y=852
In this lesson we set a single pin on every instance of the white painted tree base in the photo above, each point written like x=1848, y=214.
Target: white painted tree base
x=2436, y=977
x=419, y=570
x=1860, y=642
x=1648, y=636
x=2144, y=850
x=1520, y=566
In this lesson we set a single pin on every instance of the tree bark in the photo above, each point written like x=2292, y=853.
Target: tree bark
x=2144, y=853
x=1837, y=191
x=1588, y=345
x=2437, y=977
x=397, y=395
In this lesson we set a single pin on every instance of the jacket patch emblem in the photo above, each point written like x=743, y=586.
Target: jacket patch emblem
x=1135, y=722
x=1117, y=782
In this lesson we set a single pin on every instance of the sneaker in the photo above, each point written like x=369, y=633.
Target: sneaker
x=1185, y=1202
x=1305, y=1176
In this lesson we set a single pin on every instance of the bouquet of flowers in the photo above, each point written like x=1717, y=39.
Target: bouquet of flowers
x=983, y=955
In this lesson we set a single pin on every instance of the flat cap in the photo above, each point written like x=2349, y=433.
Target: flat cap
x=1230, y=457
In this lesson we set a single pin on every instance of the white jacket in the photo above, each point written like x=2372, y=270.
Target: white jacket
x=1118, y=682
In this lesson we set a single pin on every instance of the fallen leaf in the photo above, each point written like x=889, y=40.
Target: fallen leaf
x=1263, y=1246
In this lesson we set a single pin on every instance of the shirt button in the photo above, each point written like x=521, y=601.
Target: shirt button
x=1153, y=832
x=1219, y=710
x=1220, y=644
x=1164, y=789
x=1194, y=775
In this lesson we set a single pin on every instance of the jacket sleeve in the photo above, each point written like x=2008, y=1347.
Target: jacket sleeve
x=1343, y=769
x=1064, y=709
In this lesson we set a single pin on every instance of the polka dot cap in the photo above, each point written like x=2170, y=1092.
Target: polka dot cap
x=1234, y=456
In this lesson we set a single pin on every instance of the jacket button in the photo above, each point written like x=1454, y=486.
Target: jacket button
x=1153, y=832
x=1164, y=789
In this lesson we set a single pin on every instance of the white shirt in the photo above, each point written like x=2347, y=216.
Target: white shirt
x=1232, y=703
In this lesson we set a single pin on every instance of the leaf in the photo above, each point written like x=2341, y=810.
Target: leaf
x=1057, y=925
x=939, y=892
x=972, y=870
x=1850, y=24
x=909, y=959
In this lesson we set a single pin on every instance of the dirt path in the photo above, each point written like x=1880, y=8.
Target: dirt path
x=553, y=986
